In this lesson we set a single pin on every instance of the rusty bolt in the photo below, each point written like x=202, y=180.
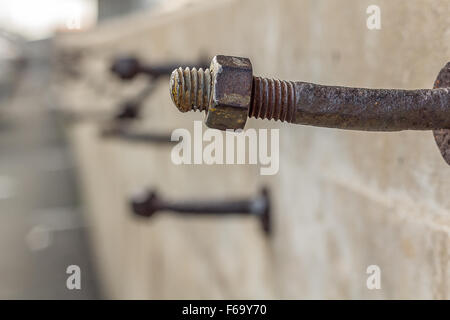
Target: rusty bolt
x=229, y=94
x=147, y=204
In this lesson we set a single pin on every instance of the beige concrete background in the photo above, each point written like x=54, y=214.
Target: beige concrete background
x=341, y=201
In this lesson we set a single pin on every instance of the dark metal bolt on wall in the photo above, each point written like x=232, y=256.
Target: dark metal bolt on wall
x=148, y=204
x=127, y=68
x=124, y=133
x=229, y=94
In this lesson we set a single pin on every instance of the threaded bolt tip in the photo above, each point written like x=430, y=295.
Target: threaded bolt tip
x=190, y=89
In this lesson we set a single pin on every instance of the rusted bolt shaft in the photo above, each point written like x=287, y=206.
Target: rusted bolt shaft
x=229, y=93
x=148, y=204
x=350, y=108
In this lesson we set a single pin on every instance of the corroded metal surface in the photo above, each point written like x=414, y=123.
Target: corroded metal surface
x=273, y=99
x=236, y=95
x=442, y=136
x=190, y=89
x=147, y=204
x=230, y=93
x=351, y=108
x=223, y=91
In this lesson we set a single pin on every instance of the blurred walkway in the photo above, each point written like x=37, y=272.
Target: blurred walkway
x=41, y=231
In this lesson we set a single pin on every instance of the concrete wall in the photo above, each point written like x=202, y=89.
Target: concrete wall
x=341, y=201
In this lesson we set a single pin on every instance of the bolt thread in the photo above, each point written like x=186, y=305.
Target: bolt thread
x=190, y=89
x=273, y=99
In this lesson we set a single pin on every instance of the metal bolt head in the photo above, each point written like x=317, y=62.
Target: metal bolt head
x=231, y=92
x=126, y=68
x=144, y=204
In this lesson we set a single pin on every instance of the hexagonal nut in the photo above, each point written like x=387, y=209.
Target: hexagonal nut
x=232, y=79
